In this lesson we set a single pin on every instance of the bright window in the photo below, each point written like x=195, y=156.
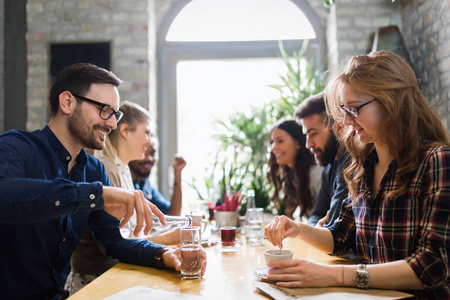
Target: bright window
x=217, y=57
x=240, y=20
x=212, y=90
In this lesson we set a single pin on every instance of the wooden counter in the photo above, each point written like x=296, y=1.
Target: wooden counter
x=228, y=274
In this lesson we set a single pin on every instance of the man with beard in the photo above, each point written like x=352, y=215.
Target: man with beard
x=321, y=132
x=51, y=189
x=140, y=171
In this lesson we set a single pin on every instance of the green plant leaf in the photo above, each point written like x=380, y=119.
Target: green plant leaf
x=244, y=145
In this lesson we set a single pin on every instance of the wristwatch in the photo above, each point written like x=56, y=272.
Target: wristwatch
x=362, y=278
x=159, y=261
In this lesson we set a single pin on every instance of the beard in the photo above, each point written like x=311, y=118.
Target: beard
x=328, y=154
x=141, y=169
x=80, y=130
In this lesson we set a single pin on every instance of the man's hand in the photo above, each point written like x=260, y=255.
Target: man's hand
x=178, y=164
x=172, y=259
x=322, y=221
x=122, y=204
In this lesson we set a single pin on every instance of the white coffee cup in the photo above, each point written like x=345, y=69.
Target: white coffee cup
x=198, y=220
x=276, y=254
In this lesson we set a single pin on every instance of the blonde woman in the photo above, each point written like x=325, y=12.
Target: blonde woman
x=399, y=183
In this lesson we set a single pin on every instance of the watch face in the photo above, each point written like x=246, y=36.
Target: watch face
x=363, y=279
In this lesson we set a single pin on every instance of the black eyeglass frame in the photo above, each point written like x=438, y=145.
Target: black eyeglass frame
x=117, y=113
x=354, y=113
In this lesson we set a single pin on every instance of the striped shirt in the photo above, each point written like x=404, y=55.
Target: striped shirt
x=413, y=227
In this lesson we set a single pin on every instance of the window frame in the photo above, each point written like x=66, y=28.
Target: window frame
x=169, y=53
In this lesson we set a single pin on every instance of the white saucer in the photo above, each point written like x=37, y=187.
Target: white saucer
x=262, y=273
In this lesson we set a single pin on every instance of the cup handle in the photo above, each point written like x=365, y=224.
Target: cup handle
x=204, y=224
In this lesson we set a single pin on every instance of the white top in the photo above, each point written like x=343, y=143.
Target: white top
x=315, y=182
x=118, y=172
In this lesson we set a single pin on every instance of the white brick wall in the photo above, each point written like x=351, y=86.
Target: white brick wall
x=426, y=30
x=125, y=25
x=424, y=25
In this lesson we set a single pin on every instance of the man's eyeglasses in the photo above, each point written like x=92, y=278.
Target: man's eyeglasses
x=353, y=111
x=106, y=111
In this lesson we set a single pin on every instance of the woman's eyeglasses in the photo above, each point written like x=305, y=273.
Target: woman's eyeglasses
x=353, y=111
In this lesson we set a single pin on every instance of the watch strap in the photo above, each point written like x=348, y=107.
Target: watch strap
x=159, y=261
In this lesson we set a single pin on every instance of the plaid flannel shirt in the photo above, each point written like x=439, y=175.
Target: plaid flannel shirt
x=414, y=227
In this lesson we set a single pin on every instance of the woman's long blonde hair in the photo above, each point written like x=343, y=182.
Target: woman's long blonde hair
x=133, y=115
x=411, y=124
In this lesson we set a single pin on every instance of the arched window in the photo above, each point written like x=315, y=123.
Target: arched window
x=221, y=35
x=238, y=20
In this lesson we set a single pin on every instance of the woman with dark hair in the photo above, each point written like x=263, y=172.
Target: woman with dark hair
x=397, y=215
x=292, y=170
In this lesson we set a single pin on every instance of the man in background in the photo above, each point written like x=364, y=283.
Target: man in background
x=321, y=132
x=140, y=171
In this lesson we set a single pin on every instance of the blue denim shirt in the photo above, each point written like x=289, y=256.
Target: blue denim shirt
x=152, y=194
x=43, y=213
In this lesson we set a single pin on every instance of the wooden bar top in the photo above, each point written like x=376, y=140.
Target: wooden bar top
x=228, y=275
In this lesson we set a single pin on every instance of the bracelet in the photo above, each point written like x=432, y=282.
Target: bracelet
x=175, y=184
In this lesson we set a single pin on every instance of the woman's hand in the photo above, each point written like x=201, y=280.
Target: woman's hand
x=280, y=228
x=303, y=273
x=172, y=259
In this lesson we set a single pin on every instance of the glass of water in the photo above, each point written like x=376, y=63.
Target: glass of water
x=254, y=226
x=191, y=251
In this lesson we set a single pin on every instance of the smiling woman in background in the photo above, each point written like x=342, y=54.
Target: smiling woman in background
x=292, y=169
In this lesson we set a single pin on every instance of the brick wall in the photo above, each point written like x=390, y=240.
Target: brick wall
x=426, y=28
x=123, y=23
x=351, y=25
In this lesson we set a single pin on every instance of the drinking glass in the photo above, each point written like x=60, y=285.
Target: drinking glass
x=251, y=203
x=228, y=236
x=191, y=260
x=254, y=227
